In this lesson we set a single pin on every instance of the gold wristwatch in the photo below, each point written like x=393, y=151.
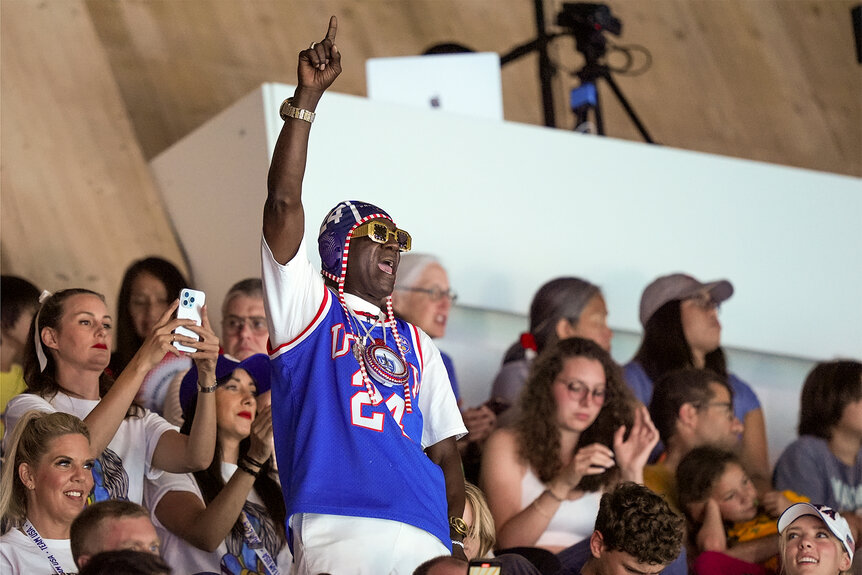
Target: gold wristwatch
x=288, y=110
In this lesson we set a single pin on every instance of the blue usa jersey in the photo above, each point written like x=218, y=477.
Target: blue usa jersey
x=341, y=453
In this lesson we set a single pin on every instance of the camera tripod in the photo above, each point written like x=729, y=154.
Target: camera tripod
x=586, y=97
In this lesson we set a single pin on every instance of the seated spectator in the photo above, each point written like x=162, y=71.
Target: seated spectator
x=825, y=462
x=46, y=480
x=149, y=286
x=146, y=292
x=243, y=333
x=422, y=296
x=125, y=562
x=578, y=434
x=481, y=535
x=724, y=513
x=64, y=366
x=230, y=516
x=110, y=526
x=19, y=300
x=690, y=408
x=562, y=308
x=814, y=539
x=681, y=329
x=635, y=532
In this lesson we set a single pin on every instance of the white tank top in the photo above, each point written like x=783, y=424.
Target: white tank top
x=573, y=521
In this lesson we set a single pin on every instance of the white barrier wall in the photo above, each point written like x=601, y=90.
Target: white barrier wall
x=508, y=206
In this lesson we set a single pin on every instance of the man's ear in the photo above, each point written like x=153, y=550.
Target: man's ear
x=688, y=415
x=597, y=544
x=82, y=560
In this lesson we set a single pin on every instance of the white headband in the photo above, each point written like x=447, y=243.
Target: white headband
x=37, y=336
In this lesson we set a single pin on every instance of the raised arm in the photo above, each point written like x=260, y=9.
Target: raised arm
x=104, y=420
x=283, y=217
x=180, y=453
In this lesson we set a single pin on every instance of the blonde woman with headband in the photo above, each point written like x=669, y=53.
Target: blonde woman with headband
x=46, y=480
x=64, y=368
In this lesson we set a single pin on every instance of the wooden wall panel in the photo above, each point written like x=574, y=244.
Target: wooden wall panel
x=78, y=200
x=772, y=80
x=91, y=89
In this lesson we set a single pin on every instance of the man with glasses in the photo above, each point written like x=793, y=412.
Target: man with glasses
x=690, y=408
x=364, y=416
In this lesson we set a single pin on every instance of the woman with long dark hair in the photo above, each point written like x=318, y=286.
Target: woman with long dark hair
x=578, y=434
x=147, y=290
x=681, y=330
x=204, y=518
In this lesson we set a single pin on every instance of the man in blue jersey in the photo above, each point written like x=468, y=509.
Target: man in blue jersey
x=364, y=416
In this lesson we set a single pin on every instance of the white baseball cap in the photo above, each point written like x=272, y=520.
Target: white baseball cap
x=833, y=520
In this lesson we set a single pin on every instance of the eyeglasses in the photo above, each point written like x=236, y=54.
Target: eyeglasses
x=380, y=233
x=704, y=301
x=579, y=391
x=435, y=293
x=726, y=406
x=234, y=324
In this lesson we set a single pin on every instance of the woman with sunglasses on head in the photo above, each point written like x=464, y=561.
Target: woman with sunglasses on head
x=47, y=477
x=422, y=296
x=202, y=518
x=563, y=307
x=679, y=315
x=64, y=366
x=577, y=435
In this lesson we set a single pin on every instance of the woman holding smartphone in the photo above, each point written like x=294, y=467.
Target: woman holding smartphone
x=64, y=368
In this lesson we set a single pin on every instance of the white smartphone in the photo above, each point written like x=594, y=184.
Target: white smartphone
x=191, y=303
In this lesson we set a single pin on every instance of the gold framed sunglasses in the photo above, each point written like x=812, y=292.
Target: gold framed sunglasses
x=379, y=232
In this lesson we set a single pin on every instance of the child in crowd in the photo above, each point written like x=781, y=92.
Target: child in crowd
x=814, y=539
x=732, y=532
x=825, y=462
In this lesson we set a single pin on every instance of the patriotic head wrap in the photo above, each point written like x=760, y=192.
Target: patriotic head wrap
x=333, y=244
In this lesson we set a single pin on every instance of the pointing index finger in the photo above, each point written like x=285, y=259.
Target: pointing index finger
x=333, y=28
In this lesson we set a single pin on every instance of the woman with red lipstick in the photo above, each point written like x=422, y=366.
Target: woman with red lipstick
x=46, y=480
x=201, y=517
x=577, y=435
x=679, y=315
x=64, y=367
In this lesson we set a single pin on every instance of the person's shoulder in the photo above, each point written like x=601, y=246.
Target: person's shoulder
x=806, y=446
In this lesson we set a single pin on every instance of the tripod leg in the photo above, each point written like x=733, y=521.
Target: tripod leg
x=629, y=110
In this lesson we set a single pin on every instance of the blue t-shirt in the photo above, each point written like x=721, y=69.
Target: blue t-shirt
x=808, y=467
x=744, y=398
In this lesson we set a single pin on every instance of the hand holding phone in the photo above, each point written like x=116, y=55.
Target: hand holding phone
x=191, y=303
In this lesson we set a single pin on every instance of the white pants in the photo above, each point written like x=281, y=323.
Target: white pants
x=343, y=545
